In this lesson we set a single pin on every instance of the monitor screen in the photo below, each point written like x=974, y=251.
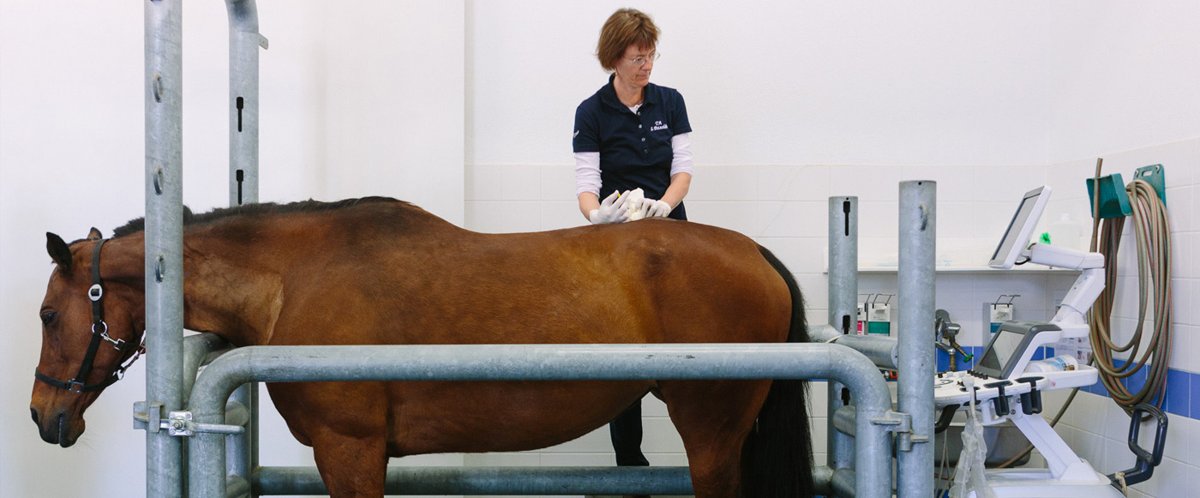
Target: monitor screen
x=1002, y=349
x=1020, y=228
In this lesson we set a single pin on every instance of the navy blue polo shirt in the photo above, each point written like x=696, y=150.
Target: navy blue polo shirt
x=635, y=148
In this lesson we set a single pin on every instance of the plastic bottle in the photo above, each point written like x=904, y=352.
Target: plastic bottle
x=1066, y=233
x=1060, y=363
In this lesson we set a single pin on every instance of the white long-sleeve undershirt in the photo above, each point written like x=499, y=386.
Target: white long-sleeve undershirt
x=587, y=164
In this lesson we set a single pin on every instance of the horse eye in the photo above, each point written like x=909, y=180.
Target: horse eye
x=48, y=316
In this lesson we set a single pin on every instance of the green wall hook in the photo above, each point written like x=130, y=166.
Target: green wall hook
x=1114, y=201
x=1156, y=176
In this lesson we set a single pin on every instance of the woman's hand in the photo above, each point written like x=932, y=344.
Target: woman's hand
x=612, y=210
x=653, y=208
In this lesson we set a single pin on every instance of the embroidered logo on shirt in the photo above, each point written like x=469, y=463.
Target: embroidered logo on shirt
x=576, y=134
x=658, y=125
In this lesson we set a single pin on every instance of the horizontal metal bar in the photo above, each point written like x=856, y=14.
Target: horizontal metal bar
x=843, y=483
x=546, y=362
x=529, y=362
x=823, y=480
x=884, y=352
x=505, y=480
x=237, y=487
x=523, y=481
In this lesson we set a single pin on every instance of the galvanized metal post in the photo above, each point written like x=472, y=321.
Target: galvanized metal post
x=918, y=235
x=843, y=262
x=164, y=239
x=244, y=42
x=843, y=311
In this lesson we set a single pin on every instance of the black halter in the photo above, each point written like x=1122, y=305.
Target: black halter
x=95, y=294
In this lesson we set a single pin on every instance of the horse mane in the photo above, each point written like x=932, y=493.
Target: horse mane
x=267, y=208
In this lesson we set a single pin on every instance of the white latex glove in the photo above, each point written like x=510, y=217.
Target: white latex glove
x=612, y=210
x=652, y=208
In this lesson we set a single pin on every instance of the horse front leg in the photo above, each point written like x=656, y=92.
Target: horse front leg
x=346, y=425
x=351, y=466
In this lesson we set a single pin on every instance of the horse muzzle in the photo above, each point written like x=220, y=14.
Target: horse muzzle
x=58, y=428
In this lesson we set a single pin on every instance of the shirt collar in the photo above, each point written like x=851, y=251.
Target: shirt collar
x=608, y=94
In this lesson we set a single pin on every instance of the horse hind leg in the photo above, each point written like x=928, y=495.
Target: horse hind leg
x=713, y=419
x=351, y=466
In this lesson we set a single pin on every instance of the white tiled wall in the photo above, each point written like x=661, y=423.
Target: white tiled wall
x=785, y=208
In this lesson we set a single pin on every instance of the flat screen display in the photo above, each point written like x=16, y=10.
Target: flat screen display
x=1001, y=351
x=1020, y=228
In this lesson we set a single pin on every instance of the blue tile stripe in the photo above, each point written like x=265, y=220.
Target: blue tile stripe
x=1183, y=388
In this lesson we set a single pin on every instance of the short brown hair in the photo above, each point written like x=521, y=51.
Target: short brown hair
x=623, y=28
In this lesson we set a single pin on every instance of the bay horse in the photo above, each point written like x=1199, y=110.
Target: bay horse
x=382, y=271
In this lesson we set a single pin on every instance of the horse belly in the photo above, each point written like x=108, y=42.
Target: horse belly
x=466, y=417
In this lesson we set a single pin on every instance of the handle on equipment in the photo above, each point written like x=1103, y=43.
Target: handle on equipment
x=1146, y=460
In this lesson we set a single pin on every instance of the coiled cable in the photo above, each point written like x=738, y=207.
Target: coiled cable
x=1153, y=237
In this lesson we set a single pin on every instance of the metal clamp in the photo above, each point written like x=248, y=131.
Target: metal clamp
x=178, y=423
x=900, y=424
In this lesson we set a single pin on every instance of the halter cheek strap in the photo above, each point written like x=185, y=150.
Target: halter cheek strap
x=95, y=294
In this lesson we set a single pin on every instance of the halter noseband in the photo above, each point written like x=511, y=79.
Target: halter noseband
x=95, y=294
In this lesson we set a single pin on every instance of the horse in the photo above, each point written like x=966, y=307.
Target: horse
x=382, y=271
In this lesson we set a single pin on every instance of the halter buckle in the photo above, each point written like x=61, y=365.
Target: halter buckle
x=119, y=344
x=95, y=292
x=75, y=386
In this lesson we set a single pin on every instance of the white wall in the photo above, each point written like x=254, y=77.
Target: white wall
x=1121, y=77
x=942, y=83
x=362, y=98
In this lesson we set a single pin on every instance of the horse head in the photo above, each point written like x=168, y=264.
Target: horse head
x=91, y=324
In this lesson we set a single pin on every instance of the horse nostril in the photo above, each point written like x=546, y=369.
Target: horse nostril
x=35, y=416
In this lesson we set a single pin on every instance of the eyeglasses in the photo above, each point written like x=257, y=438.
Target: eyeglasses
x=641, y=60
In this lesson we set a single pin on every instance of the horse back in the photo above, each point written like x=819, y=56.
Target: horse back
x=645, y=282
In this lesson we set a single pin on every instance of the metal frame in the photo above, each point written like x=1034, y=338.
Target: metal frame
x=542, y=362
x=860, y=466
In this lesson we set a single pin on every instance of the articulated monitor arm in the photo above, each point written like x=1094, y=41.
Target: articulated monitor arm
x=1085, y=290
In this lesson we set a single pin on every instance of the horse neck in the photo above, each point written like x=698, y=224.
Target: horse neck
x=228, y=292
x=234, y=301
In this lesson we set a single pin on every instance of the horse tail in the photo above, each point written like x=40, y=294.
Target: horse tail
x=777, y=455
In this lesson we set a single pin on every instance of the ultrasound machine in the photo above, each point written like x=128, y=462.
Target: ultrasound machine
x=1003, y=389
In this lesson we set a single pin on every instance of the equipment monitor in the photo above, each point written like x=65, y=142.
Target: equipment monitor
x=1008, y=346
x=1020, y=228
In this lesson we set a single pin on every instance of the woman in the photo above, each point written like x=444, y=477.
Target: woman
x=631, y=134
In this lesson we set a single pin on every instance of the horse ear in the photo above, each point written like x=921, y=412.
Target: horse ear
x=59, y=251
x=94, y=234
